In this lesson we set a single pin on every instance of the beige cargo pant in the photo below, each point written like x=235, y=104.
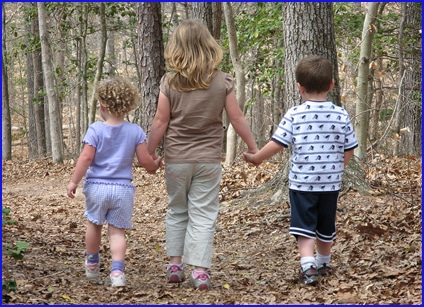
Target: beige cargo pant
x=193, y=205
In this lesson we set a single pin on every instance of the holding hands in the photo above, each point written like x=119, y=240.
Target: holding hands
x=158, y=163
x=266, y=152
x=251, y=158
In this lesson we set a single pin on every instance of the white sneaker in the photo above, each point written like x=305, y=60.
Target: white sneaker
x=118, y=279
x=201, y=282
x=92, y=270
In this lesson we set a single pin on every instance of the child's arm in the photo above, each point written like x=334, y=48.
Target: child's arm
x=83, y=163
x=269, y=150
x=146, y=160
x=160, y=123
x=347, y=156
x=239, y=122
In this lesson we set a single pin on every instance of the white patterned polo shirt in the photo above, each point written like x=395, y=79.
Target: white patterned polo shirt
x=320, y=133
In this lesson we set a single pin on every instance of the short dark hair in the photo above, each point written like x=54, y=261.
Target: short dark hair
x=314, y=73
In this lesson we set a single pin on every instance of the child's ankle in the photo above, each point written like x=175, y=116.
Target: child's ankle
x=197, y=273
x=92, y=258
x=180, y=266
x=117, y=267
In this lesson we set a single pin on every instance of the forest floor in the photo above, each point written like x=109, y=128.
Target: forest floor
x=377, y=256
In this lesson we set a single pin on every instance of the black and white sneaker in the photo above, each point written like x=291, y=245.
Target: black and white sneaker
x=309, y=276
x=324, y=269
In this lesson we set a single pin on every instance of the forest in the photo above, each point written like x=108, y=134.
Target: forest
x=53, y=56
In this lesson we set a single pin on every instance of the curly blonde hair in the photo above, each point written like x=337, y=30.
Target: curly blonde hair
x=117, y=95
x=192, y=56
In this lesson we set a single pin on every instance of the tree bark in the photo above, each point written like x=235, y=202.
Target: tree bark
x=203, y=11
x=38, y=101
x=6, y=127
x=240, y=81
x=54, y=109
x=408, y=119
x=32, y=132
x=100, y=61
x=152, y=62
x=361, y=122
x=83, y=66
x=308, y=29
x=216, y=20
x=110, y=65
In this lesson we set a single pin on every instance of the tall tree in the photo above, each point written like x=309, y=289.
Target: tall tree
x=83, y=68
x=100, y=60
x=152, y=62
x=54, y=108
x=362, y=108
x=308, y=30
x=6, y=127
x=110, y=66
x=376, y=84
x=36, y=133
x=240, y=81
x=32, y=132
x=203, y=11
x=38, y=88
x=409, y=118
x=216, y=20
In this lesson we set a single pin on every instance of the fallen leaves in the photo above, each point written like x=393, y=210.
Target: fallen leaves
x=377, y=254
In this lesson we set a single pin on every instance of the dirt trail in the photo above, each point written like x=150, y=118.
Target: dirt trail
x=377, y=256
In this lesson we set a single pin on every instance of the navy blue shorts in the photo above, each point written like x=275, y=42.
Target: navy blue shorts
x=313, y=214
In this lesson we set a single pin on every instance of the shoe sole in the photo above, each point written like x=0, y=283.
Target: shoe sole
x=174, y=279
x=92, y=276
x=324, y=273
x=311, y=281
x=118, y=281
x=92, y=273
x=119, y=284
x=200, y=285
x=203, y=287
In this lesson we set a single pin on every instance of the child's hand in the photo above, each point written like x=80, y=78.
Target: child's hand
x=250, y=157
x=71, y=189
x=158, y=164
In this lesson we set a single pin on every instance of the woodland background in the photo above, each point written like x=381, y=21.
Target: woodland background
x=55, y=53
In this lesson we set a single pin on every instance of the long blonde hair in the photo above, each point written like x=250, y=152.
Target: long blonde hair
x=192, y=56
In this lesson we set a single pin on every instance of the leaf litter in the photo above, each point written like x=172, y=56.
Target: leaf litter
x=377, y=256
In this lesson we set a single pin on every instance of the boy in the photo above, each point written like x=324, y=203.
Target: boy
x=323, y=143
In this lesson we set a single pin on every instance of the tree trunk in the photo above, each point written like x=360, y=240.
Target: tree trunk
x=362, y=108
x=78, y=94
x=6, y=127
x=375, y=114
x=54, y=109
x=100, y=60
x=38, y=101
x=32, y=131
x=376, y=69
x=203, y=11
x=84, y=64
x=408, y=124
x=308, y=30
x=59, y=63
x=110, y=65
x=240, y=81
x=216, y=20
x=39, y=104
x=152, y=62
